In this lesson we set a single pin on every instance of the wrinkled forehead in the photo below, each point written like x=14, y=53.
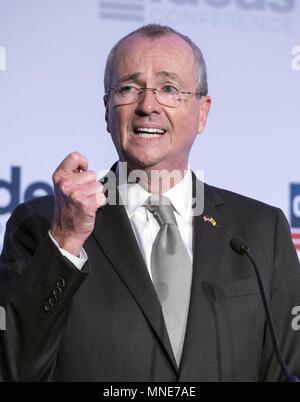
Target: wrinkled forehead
x=152, y=56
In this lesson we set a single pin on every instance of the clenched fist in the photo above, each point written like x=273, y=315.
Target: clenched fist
x=78, y=195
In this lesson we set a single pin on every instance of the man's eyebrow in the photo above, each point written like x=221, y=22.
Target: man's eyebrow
x=137, y=76
x=167, y=74
x=130, y=77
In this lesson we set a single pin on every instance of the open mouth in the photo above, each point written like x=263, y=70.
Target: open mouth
x=146, y=132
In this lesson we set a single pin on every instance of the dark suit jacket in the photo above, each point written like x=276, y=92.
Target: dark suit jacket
x=104, y=323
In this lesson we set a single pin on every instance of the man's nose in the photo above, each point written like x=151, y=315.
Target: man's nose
x=147, y=102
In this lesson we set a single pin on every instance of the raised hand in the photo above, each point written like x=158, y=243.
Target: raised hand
x=78, y=195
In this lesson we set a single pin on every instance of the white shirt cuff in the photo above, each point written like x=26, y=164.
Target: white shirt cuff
x=77, y=261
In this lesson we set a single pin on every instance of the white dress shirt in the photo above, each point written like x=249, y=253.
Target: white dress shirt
x=144, y=225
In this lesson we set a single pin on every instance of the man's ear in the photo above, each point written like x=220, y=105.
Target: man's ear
x=205, y=103
x=105, y=100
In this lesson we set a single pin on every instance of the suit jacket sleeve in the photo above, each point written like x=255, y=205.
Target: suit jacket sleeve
x=37, y=284
x=284, y=296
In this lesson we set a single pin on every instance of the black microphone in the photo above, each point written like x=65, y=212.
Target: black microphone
x=241, y=248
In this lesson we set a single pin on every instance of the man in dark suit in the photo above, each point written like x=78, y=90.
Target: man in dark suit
x=77, y=278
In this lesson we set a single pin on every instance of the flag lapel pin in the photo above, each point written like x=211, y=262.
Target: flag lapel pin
x=210, y=219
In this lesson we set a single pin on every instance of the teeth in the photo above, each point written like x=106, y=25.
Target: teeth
x=150, y=130
x=143, y=135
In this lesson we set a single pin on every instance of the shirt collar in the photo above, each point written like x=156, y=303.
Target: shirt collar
x=180, y=196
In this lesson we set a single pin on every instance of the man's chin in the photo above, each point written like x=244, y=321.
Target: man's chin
x=135, y=162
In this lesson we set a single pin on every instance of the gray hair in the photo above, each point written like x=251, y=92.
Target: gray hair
x=156, y=30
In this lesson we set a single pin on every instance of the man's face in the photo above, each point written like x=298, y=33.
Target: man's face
x=155, y=63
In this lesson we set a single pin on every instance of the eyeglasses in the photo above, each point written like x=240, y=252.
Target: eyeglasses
x=167, y=95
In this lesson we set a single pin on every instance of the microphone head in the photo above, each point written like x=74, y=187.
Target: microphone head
x=238, y=246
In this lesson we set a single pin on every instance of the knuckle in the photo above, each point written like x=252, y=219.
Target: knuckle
x=94, y=175
x=90, y=175
x=65, y=186
x=56, y=177
x=74, y=155
x=101, y=199
x=77, y=157
x=76, y=197
x=84, y=204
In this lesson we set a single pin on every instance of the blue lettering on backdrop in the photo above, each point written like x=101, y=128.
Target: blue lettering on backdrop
x=280, y=6
x=13, y=187
x=295, y=205
x=218, y=3
x=185, y=2
x=251, y=4
x=284, y=6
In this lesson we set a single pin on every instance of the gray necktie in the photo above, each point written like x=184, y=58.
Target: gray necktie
x=171, y=269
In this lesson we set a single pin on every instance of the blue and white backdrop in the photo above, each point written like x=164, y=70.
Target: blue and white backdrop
x=52, y=56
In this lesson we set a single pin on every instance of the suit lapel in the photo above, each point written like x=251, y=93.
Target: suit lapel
x=209, y=243
x=115, y=236
x=119, y=244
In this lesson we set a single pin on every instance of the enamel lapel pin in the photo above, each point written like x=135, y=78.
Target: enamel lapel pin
x=210, y=219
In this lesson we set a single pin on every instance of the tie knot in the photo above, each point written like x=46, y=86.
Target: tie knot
x=161, y=207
